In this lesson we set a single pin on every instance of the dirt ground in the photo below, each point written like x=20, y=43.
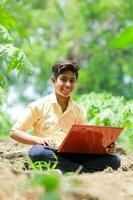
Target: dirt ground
x=106, y=185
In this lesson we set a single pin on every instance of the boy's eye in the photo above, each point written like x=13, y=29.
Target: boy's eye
x=72, y=81
x=64, y=80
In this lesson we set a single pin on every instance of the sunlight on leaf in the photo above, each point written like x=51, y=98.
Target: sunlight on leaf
x=3, y=88
x=6, y=19
x=14, y=58
x=5, y=36
x=124, y=39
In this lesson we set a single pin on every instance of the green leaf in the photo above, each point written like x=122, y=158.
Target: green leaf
x=3, y=81
x=50, y=182
x=6, y=19
x=124, y=39
x=14, y=58
x=4, y=35
x=3, y=88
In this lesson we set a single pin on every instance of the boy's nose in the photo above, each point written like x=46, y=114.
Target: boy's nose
x=68, y=83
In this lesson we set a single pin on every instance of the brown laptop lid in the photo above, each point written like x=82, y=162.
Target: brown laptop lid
x=89, y=139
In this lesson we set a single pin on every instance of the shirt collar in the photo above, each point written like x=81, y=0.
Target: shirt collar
x=54, y=100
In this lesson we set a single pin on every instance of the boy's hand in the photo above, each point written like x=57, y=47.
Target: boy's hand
x=111, y=149
x=49, y=142
x=45, y=142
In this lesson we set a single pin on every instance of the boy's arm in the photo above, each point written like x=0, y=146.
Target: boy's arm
x=19, y=133
x=27, y=120
x=25, y=138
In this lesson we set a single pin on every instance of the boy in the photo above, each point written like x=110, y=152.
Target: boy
x=51, y=117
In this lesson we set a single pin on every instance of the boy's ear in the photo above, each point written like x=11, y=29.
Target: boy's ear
x=53, y=79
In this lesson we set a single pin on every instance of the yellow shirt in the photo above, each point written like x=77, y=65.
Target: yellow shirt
x=47, y=119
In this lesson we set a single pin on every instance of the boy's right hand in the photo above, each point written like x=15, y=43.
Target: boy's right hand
x=47, y=142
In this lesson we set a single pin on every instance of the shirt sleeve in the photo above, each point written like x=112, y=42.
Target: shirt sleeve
x=26, y=121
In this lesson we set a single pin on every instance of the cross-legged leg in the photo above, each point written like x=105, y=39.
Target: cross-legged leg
x=97, y=162
x=70, y=161
x=41, y=153
x=94, y=162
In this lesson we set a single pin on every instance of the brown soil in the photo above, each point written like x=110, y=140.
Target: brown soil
x=106, y=185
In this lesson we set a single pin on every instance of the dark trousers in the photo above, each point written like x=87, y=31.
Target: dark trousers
x=69, y=162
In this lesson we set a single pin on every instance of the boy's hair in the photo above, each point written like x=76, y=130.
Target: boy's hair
x=60, y=66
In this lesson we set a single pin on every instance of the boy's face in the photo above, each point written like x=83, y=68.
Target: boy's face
x=65, y=83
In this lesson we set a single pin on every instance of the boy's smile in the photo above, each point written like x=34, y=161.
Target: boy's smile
x=65, y=83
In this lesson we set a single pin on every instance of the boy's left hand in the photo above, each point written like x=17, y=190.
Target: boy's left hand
x=111, y=149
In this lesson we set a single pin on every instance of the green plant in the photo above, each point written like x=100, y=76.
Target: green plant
x=105, y=109
x=12, y=58
x=49, y=183
x=43, y=165
x=5, y=124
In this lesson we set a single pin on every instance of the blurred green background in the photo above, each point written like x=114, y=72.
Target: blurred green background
x=98, y=33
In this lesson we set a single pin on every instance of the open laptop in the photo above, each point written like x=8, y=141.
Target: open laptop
x=89, y=139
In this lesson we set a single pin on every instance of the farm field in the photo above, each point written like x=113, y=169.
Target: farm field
x=106, y=185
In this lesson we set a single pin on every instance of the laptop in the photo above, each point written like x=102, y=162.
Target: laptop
x=89, y=139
